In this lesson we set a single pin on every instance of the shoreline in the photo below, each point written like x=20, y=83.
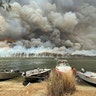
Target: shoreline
x=15, y=87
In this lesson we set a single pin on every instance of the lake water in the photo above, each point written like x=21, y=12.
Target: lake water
x=88, y=63
x=24, y=64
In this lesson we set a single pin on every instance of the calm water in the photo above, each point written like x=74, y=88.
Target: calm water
x=86, y=63
x=31, y=63
x=24, y=64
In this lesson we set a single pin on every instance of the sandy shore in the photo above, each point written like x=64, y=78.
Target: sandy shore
x=15, y=87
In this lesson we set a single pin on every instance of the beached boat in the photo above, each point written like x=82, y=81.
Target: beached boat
x=63, y=66
x=5, y=75
x=88, y=76
x=36, y=74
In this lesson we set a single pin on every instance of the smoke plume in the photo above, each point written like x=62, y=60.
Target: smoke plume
x=60, y=24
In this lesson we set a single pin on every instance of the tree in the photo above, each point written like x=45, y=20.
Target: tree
x=5, y=4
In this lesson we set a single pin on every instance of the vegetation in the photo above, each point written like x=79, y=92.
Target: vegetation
x=5, y=4
x=14, y=87
x=61, y=84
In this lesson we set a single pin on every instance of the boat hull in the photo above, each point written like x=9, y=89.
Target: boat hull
x=8, y=75
x=87, y=79
x=37, y=77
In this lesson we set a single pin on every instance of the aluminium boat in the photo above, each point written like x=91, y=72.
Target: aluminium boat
x=88, y=76
x=5, y=75
x=36, y=74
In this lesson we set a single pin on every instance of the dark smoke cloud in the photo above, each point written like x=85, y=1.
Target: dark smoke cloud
x=50, y=23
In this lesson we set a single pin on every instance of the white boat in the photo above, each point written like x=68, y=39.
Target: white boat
x=88, y=76
x=63, y=66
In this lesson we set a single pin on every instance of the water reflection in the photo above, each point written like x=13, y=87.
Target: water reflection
x=26, y=63
x=31, y=63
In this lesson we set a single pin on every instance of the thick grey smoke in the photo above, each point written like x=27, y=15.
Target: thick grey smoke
x=50, y=23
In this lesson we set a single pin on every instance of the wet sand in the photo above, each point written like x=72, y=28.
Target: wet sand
x=15, y=87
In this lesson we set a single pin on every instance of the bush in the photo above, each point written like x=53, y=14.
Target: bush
x=61, y=84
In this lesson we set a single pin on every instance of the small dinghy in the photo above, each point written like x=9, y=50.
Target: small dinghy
x=87, y=76
x=36, y=74
x=5, y=75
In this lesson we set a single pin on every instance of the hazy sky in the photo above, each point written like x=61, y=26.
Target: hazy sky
x=53, y=23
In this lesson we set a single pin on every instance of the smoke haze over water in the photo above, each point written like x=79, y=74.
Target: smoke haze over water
x=63, y=24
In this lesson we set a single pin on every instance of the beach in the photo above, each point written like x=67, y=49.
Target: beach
x=15, y=87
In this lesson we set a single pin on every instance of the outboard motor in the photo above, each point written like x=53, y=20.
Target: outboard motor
x=83, y=70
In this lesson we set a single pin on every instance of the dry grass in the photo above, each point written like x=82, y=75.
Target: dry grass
x=85, y=91
x=61, y=84
x=35, y=89
x=15, y=88
x=11, y=88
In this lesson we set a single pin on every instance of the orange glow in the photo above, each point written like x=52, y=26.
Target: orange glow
x=8, y=40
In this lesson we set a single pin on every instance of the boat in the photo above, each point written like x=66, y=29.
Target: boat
x=5, y=75
x=36, y=74
x=63, y=66
x=87, y=76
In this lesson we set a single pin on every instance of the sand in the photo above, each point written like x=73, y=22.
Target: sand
x=15, y=87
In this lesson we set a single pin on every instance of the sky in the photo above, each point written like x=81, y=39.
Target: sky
x=63, y=24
